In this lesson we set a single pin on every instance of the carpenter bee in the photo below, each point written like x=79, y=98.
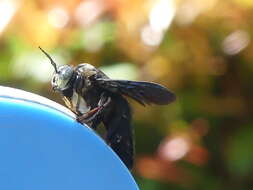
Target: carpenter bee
x=96, y=98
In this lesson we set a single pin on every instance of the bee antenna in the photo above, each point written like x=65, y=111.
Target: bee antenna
x=50, y=58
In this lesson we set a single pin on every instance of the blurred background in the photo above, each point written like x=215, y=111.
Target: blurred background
x=200, y=49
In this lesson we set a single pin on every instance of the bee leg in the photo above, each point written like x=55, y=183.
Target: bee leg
x=95, y=116
x=84, y=118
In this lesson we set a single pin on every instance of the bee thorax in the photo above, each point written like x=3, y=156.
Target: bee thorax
x=87, y=70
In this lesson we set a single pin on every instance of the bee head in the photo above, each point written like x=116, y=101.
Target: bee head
x=62, y=75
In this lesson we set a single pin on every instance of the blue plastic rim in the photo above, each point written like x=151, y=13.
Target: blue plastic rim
x=42, y=147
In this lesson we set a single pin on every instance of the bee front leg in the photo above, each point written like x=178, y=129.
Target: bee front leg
x=87, y=115
x=95, y=116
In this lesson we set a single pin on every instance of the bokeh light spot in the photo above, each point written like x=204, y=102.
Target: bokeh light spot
x=236, y=42
x=7, y=10
x=58, y=17
x=88, y=11
x=174, y=148
x=151, y=37
x=162, y=14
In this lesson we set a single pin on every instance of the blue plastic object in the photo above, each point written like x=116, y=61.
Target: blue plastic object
x=42, y=147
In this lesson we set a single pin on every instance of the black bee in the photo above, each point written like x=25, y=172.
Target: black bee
x=96, y=98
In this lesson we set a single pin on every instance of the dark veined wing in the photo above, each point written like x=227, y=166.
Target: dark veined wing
x=142, y=92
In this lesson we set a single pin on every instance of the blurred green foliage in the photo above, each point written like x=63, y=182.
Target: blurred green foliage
x=200, y=49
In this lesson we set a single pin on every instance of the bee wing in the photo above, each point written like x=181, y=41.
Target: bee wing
x=142, y=92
